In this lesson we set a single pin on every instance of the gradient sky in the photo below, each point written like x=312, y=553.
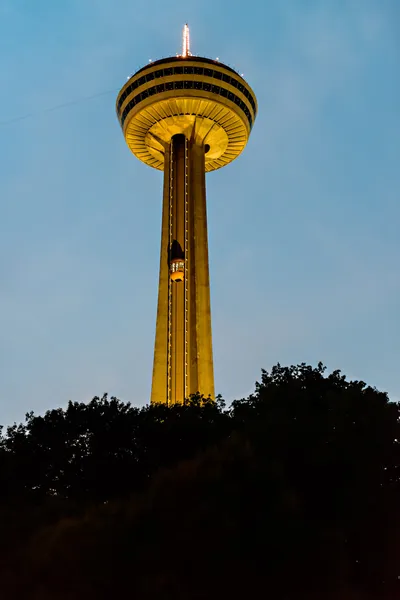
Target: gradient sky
x=303, y=226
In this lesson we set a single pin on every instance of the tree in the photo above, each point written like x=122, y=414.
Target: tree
x=106, y=449
x=292, y=492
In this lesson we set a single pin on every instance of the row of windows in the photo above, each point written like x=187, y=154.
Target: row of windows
x=187, y=85
x=193, y=58
x=183, y=70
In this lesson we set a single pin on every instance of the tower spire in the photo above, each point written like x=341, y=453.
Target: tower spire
x=186, y=42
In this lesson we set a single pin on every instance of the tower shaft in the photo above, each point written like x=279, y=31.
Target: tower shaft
x=183, y=362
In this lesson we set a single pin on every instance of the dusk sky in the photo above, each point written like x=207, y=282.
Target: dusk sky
x=304, y=227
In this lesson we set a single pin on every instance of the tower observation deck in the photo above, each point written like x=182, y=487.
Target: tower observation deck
x=185, y=115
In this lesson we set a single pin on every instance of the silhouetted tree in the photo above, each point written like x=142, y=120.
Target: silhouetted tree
x=105, y=449
x=290, y=493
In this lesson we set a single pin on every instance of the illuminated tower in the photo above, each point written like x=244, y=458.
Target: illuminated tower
x=185, y=115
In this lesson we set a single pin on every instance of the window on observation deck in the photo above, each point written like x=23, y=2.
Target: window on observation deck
x=187, y=84
x=179, y=70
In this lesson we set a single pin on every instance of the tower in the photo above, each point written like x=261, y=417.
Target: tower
x=185, y=115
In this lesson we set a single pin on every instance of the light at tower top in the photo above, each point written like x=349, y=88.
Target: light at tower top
x=186, y=42
x=191, y=95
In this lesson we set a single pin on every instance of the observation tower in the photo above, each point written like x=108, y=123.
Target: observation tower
x=185, y=115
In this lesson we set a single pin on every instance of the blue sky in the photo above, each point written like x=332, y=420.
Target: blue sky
x=303, y=226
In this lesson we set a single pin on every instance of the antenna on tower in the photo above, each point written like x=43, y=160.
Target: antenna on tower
x=186, y=42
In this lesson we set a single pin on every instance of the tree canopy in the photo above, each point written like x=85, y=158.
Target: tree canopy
x=290, y=493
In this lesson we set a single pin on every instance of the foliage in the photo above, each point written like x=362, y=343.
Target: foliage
x=292, y=492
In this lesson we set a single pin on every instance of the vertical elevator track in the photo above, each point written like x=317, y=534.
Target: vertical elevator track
x=178, y=290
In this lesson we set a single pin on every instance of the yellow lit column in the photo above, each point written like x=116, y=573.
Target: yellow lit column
x=159, y=390
x=177, y=252
x=183, y=362
x=201, y=359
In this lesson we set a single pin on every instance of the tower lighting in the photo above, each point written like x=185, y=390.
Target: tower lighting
x=186, y=116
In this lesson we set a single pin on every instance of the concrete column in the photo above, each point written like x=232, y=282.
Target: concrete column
x=177, y=247
x=201, y=321
x=183, y=344
x=160, y=365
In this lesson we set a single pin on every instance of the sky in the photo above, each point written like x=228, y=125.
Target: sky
x=303, y=227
